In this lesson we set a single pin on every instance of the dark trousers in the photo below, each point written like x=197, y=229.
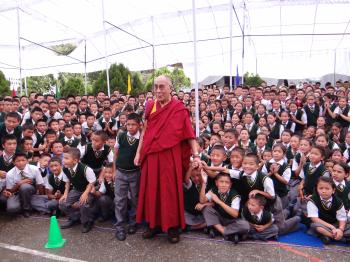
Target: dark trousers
x=84, y=213
x=125, y=183
x=21, y=199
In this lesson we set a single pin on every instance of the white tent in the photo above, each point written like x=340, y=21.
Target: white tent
x=280, y=39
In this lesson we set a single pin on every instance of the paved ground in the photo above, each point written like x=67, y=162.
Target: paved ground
x=100, y=245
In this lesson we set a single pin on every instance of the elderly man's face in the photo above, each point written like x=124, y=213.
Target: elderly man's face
x=162, y=89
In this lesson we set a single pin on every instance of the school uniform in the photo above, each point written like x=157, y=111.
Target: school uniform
x=258, y=116
x=21, y=200
x=312, y=113
x=6, y=163
x=295, y=180
x=247, y=146
x=193, y=217
x=17, y=132
x=106, y=201
x=215, y=215
x=329, y=210
x=343, y=192
x=53, y=183
x=310, y=174
x=261, y=218
x=211, y=181
x=248, y=110
x=280, y=188
x=101, y=124
x=72, y=142
x=95, y=159
x=87, y=129
x=289, y=125
x=253, y=131
x=330, y=120
x=344, y=111
x=259, y=181
x=82, y=139
x=80, y=176
x=301, y=116
x=228, y=154
x=127, y=179
x=260, y=150
x=276, y=130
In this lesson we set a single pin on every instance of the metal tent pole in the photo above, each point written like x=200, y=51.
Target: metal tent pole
x=231, y=16
x=85, y=77
x=19, y=52
x=195, y=65
x=106, y=58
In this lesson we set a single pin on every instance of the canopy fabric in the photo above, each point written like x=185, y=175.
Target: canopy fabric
x=282, y=39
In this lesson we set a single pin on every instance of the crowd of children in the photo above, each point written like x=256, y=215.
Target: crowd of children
x=271, y=158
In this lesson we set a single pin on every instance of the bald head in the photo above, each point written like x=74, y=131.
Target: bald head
x=162, y=88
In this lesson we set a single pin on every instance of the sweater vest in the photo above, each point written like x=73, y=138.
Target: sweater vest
x=265, y=218
x=78, y=179
x=227, y=199
x=327, y=214
x=280, y=188
x=95, y=160
x=126, y=153
x=56, y=186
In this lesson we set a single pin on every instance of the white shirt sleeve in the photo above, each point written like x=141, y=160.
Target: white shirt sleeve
x=10, y=180
x=188, y=186
x=287, y=174
x=208, y=196
x=301, y=174
x=312, y=210
x=341, y=214
x=82, y=150
x=295, y=165
x=281, y=130
x=234, y=173
x=38, y=178
x=304, y=117
x=90, y=175
x=64, y=178
x=47, y=185
x=102, y=188
x=98, y=126
x=110, y=156
x=336, y=110
x=115, y=127
x=236, y=202
x=264, y=169
x=268, y=186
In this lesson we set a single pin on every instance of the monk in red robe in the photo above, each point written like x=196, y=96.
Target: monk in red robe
x=164, y=152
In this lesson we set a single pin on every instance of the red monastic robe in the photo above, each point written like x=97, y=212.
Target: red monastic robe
x=165, y=158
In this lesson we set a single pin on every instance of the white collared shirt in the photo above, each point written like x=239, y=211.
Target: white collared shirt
x=103, y=189
x=235, y=204
x=99, y=127
x=61, y=177
x=89, y=174
x=30, y=171
x=302, y=175
x=110, y=156
x=312, y=210
x=268, y=183
x=136, y=136
x=286, y=173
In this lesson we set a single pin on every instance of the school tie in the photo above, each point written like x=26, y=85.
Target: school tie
x=255, y=218
x=340, y=187
x=312, y=109
x=71, y=170
x=312, y=169
x=69, y=141
x=198, y=186
x=22, y=174
x=57, y=180
x=223, y=196
x=98, y=153
x=327, y=203
x=250, y=180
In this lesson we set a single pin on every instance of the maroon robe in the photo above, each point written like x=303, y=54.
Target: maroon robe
x=165, y=158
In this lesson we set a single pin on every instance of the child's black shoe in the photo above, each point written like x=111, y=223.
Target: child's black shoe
x=120, y=235
x=212, y=232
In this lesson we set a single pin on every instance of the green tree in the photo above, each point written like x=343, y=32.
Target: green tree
x=252, y=80
x=177, y=75
x=73, y=86
x=40, y=84
x=118, y=80
x=4, y=85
